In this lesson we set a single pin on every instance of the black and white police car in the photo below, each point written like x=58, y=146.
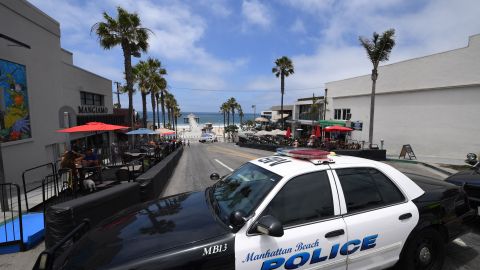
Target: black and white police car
x=298, y=210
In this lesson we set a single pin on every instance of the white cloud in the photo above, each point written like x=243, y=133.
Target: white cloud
x=298, y=27
x=436, y=26
x=256, y=13
x=217, y=7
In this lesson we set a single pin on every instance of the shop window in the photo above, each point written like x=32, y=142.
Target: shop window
x=342, y=114
x=91, y=99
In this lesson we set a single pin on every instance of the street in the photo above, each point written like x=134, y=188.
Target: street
x=200, y=160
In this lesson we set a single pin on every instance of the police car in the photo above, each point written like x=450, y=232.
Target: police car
x=301, y=209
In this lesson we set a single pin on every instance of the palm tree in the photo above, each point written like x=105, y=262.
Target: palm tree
x=162, y=87
x=378, y=50
x=232, y=103
x=240, y=113
x=125, y=30
x=283, y=68
x=176, y=113
x=157, y=82
x=141, y=75
x=163, y=92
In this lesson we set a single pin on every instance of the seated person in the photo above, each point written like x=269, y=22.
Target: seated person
x=69, y=161
x=90, y=159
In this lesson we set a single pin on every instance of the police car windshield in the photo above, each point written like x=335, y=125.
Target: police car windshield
x=243, y=190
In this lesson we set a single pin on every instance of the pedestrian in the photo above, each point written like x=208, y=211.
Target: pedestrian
x=188, y=143
x=295, y=143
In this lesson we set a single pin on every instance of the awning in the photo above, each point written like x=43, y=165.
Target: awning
x=327, y=123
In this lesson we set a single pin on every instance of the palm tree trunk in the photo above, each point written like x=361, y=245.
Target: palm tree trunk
x=152, y=96
x=228, y=118
x=127, y=61
x=233, y=116
x=157, y=96
x=282, y=88
x=162, y=99
x=372, y=107
x=144, y=108
x=169, y=116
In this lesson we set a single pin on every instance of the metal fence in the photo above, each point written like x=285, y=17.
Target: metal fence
x=11, y=211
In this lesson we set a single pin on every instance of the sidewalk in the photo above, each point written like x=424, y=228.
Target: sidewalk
x=439, y=167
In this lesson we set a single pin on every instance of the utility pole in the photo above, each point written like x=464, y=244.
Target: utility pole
x=118, y=94
x=325, y=104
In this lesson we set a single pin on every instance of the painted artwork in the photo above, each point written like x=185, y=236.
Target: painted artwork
x=14, y=112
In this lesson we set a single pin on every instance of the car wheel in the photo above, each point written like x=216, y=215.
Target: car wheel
x=425, y=251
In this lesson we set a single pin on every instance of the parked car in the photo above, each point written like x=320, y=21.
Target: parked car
x=469, y=180
x=302, y=209
x=208, y=138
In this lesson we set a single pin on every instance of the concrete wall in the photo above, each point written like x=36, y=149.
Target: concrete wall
x=50, y=81
x=450, y=68
x=431, y=102
x=441, y=125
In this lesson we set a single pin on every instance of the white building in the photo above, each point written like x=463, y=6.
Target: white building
x=41, y=86
x=431, y=102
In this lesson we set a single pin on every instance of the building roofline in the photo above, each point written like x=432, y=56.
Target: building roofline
x=67, y=51
x=413, y=90
x=41, y=12
x=84, y=70
x=411, y=59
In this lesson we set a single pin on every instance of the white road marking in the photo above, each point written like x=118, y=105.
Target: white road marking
x=223, y=164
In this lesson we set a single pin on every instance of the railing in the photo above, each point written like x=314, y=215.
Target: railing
x=46, y=259
x=27, y=187
x=8, y=201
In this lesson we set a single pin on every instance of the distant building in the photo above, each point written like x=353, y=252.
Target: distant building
x=41, y=90
x=305, y=115
x=277, y=115
x=430, y=102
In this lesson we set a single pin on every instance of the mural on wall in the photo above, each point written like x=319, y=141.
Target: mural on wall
x=14, y=112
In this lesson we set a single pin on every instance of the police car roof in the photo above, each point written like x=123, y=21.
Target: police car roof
x=288, y=167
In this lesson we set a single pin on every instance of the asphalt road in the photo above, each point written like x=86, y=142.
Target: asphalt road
x=200, y=160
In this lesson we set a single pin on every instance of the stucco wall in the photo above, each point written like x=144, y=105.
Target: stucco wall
x=47, y=80
x=441, y=125
x=450, y=68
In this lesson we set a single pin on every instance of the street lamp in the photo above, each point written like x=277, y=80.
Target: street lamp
x=254, y=107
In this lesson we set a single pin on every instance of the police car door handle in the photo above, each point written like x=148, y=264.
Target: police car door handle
x=334, y=233
x=405, y=216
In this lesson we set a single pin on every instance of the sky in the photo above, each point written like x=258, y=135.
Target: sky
x=216, y=49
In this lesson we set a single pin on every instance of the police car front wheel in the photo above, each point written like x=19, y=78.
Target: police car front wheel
x=424, y=251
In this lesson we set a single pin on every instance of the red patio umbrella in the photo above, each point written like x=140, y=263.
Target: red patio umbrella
x=92, y=127
x=337, y=128
x=289, y=133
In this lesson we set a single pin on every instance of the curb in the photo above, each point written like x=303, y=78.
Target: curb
x=422, y=163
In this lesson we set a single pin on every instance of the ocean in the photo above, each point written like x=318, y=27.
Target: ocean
x=206, y=117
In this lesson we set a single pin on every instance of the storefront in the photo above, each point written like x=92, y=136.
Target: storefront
x=41, y=90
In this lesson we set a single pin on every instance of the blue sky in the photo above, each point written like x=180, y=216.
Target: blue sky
x=230, y=45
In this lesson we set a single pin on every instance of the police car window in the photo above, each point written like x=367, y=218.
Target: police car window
x=389, y=192
x=303, y=199
x=243, y=190
x=366, y=188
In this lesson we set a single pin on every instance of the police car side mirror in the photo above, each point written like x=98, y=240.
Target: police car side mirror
x=214, y=176
x=269, y=225
x=471, y=159
x=237, y=219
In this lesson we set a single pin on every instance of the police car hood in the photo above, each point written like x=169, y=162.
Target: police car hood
x=146, y=229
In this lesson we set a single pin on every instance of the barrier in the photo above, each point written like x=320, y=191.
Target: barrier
x=11, y=227
x=62, y=218
x=154, y=180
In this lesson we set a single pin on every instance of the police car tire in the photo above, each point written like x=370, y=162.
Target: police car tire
x=427, y=243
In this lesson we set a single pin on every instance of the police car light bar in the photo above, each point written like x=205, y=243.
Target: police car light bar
x=314, y=155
